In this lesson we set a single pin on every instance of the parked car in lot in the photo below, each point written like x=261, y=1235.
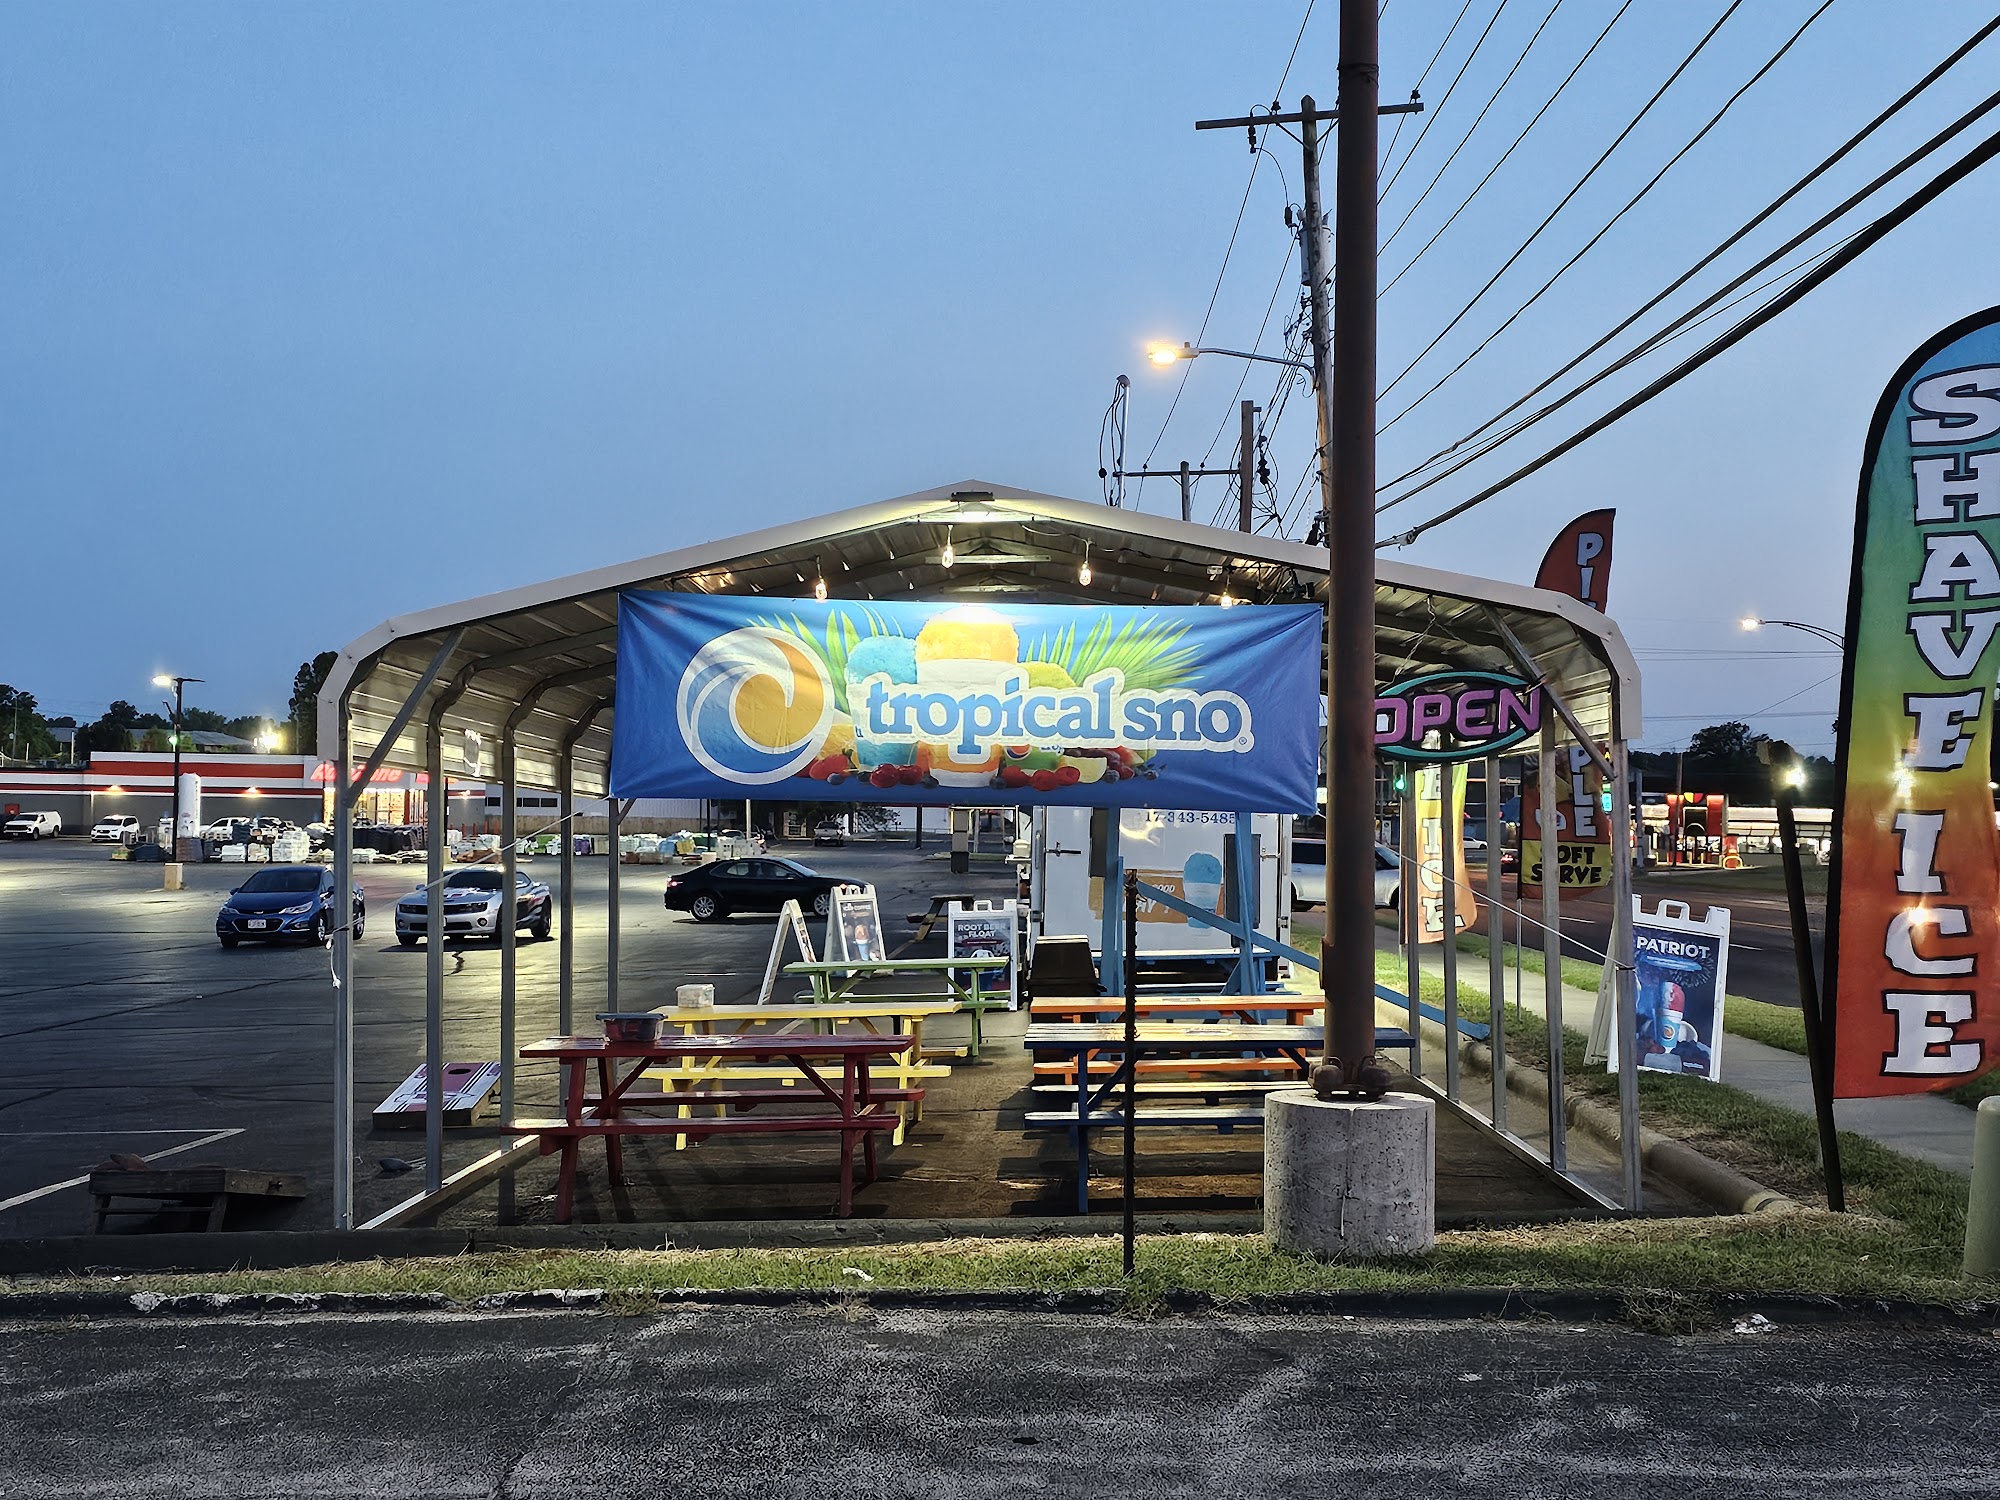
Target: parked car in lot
x=119, y=828
x=227, y=831
x=284, y=901
x=714, y=890
x=1475, y=855
x=829, y=835
x=473, y=903
x=1309, y=874
x=33, y=825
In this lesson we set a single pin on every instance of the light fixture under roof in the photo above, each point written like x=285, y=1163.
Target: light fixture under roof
x=950, y=556
x=1083, y=573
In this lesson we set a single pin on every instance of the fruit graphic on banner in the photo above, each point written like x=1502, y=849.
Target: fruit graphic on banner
x=1913, y=899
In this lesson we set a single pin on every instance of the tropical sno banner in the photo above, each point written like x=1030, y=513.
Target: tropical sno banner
x=1913, y=905
x=1029, y=704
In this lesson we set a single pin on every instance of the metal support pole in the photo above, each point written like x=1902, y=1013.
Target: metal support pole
x=1187, y=493
x=1818, y=1054
x=1129, y=890
x=1552, y=1003
x=343, y=980
x=174, y=839
x=1411, y=894
x=509, y=919
x=1496, y=947
x=566, y=939
x=1448, y=814
x=1112, y=964
x=1246, y=468
x=435, y=804
x=1622, y=960
x=616, y=810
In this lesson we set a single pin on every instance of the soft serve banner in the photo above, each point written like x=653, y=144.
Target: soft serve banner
x=1096, y=706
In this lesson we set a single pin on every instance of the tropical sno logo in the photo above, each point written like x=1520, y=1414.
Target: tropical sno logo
x=956, y=705
x=754, y=706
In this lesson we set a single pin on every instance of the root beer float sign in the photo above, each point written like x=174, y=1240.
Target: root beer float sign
x=1913, y=907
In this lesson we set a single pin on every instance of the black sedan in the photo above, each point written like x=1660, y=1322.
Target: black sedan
x=283, y=901
x=722, y=886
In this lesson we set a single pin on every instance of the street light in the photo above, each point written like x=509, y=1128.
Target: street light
x=178, y=684
x=1831, y=637
x=1169, y=354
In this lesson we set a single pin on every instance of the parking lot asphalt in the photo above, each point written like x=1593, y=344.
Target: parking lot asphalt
x=843, y=1400
x=124, y=1026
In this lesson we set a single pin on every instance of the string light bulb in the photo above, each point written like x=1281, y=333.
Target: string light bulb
x=819, y=584
x=1083, y=573
x=950, y=556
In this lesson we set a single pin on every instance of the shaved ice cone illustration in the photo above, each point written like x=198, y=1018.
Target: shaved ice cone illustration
x=969, y=650
x=893, y=657
x=1201, y=883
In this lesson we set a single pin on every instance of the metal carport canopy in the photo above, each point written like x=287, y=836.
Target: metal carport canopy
x=555, y=643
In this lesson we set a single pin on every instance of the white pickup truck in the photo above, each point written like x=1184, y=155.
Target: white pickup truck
x=33, y=825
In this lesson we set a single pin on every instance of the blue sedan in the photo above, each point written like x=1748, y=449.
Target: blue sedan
x=284, y=901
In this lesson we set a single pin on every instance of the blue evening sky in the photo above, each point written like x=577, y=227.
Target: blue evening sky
x=312, y=315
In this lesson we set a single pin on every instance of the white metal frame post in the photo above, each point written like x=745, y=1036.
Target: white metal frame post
x=1448, y=815
x=434, y=813
x=1496, y=955
x=1552, y=981
x=509, y=921
x=1623, y=961
x=343, y=981
x=617, y=811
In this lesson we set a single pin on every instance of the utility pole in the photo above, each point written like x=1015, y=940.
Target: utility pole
x=1343, y=359
x=1186, y=474
x=1246, y=468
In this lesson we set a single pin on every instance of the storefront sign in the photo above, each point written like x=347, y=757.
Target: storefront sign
x=1683, y=971
x=1913, y=903
x=939, y=704
x=1578, y=562
x=1583, y=829
x=1456, y=715
x=1432, y=900
x=984, y=929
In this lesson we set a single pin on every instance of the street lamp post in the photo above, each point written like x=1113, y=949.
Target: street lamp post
x=179, y=685
x=1832, y=637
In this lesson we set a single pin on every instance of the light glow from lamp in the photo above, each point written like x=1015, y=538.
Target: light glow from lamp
x=950, y=556
x=1083, y=573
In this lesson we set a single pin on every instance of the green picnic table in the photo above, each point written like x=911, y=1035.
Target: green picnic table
x=841, y=979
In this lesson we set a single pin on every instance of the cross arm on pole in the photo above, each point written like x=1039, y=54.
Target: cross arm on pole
x=1297, y=117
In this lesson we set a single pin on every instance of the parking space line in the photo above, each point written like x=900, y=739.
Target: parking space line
x=57, y=1187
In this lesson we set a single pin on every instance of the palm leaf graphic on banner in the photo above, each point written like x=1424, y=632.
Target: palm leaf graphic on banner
x=1149, y=655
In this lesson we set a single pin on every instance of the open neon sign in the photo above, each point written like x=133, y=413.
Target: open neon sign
x=1447, y=716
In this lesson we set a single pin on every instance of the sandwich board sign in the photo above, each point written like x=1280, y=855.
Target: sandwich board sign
x=791, y=922
x=985, y=929
x=854, y=926
x=1683, y=969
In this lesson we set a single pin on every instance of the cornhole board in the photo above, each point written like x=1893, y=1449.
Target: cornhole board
x=466, y=1086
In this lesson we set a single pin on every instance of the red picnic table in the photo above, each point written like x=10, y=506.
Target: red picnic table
x=858, y=1108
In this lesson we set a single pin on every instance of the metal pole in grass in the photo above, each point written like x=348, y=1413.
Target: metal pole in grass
x=1784, y=760
x=1131, y=1044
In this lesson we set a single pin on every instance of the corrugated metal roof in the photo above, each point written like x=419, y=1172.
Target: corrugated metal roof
x=545, y=656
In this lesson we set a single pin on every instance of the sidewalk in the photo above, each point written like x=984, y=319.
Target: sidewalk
x=1926, y=1126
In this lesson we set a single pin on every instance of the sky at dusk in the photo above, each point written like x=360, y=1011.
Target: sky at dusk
x=311, y=316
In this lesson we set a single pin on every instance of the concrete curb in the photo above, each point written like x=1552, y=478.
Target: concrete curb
x=1746, y=1313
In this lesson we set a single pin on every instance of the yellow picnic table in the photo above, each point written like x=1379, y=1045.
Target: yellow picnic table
x=886, y=1017
x=839, y=981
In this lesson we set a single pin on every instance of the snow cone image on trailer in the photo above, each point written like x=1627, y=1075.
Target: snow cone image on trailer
x=1201, y=883
x=967, y=651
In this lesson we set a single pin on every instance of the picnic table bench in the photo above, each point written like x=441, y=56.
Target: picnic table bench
x=853, y=1108
x=1098, y=1060
x=203, y=1194
x=840, y=980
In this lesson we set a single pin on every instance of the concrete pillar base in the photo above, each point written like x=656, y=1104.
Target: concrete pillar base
x=1347, y=1179
x=172, y=880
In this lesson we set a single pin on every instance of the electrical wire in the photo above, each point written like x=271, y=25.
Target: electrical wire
x=1857, y=246
x=1631, y=126
x=1630, y=203
x=1395, y=135
x=1431, y=116
x=1763, y=215
x=1547, y=104
x=1685, y=319
x=1473, y=129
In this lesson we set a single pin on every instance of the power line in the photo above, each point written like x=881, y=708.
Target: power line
x=1466, y=202
x=1431, y=116
x=1865, y=239
x=1632, y=125
x=1840, y=154
x=1685, y=320
x=1630, y=204
x=1473, y=129
x=1396, y=134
